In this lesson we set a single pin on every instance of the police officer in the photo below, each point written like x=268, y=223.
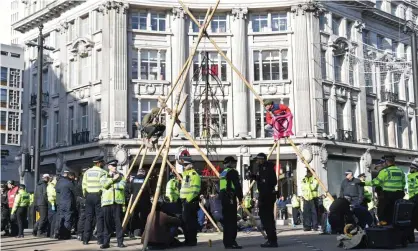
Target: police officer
x=310, y=202
x=172, y=191
x=81, y=206
x=230, y=189
x=392, y=181
x=52, y=200
x=266, y=182
x=67, y=205
x=351, y=189
x=41, y=202
x=189, y=195
x=413, y=190
x=5, y=212
x=20, y=208
x=143, y=208
x=113, y=201
x=92, y=191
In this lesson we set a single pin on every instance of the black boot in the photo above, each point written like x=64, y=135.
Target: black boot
x=269, y=244
x=104, y=246
x=121, y=245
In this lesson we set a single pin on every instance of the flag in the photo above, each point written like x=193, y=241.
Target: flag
x=282, y=126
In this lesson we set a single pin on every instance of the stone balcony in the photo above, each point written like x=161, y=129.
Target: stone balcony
x=51, y=11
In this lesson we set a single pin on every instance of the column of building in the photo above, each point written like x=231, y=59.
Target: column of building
x=239, y=90
x=115, y=74
x=179, y=53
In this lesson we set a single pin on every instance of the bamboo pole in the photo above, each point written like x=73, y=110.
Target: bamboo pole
x=133, y=162
x=277, y=176
x=272, y=150
x=310, y=169
x=129, y=206
x=138, y=196
x=142, y=160
x=173, y=168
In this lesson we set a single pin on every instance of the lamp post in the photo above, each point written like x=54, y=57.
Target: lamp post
x=411, y=27
x=37, y=149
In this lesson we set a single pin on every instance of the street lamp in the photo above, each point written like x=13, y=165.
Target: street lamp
x=412, y=27
x=41, y=47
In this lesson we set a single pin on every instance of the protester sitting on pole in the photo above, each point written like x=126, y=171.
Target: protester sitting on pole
x=276, y=110
x=152, y=126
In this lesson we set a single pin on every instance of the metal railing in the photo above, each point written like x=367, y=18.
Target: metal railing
x=346, y=135
x=82, y=137
x=387, y=96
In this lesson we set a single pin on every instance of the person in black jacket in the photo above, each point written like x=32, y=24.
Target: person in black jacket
x=230, y=190
x=65, y=191
x=352, y=189
x=41, y=202
x=143, y=208
x=5, y=212
x=266, y=181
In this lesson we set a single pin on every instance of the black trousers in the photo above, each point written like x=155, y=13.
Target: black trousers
x=81, y=220
x=93, y=210
x=189, y=216
x=229, y=212
x=14, y=229
x=266, y=213
x=112, y=222
x=66, y=218
x=296, y=215
x=156, y=130
x=415, y=212
x=386, y=205
x=310, y=215
x=21, y=215
x=43, y=220
x=51, y=220
x=5, y=218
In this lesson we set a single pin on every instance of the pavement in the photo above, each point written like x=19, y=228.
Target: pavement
x=289, y=239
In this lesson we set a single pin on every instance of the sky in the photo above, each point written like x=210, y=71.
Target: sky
x=5, y=22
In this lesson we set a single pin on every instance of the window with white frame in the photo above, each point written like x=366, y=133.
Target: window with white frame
x=71, y=73
x=406, y=82
x=57, y=127
x=134, y=67
x=99, y=65
x=217, y=67
x=336, y=22
x=139, y=20
x=158, y=21
x=326, y=115
x=135, y=118
x=380, y=41
x=99, y=21
x=338, y=67
x=379, y=4
x=84, y=26
x=393, y=9
x=4, y=76
x=3, y=120
x=153, y=64
x=218, y=23
x=410, y=134
x=200, y=18
x=56, y=80
x=340, y=115
x=146, y=106
x=84, y=70
x=45, y=81
x=98, y=120
x=323, y=21
x=44, y=132
x=371, y=125
x=57, y=40
x=324, y=64
x=349, y=28
x=354, y=122
x=260, y=118
x=210, y=118
x=3, y=101
x=400, y=129
x=265, y=22
x=84, y=116
x=270, y=65
x=395, y=48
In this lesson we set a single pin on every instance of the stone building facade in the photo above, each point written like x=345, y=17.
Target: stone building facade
x=113, y=59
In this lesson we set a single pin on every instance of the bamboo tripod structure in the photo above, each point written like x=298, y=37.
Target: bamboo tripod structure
x=176, y=109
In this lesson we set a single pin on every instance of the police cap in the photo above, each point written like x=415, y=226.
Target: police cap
x=361, y=175
x=112, y=162
x=98, y=159
x=142, y=172
x=389, y=157
x=21, y=186
x=261, y=156
x=229, y=159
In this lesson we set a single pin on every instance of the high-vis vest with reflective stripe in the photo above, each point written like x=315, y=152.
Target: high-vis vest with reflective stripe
x=91, y=180
x=113, y=193
x=247, y=201
x=413, y=184
x=172, y=190
x=22, y=199
x=309, y=188
x=223, y=183
x=31, y=197
x=391, y=179
x=190, y=186
x=295, y=201
x=51, y=193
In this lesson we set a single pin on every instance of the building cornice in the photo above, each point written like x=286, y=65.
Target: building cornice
x=49, y=12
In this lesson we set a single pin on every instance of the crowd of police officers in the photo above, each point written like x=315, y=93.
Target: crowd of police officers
x=95, y=201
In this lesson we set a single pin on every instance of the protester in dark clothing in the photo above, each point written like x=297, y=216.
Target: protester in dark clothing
x=339, y=215
x=41, y=202
x=11, y=194
x=66, y=191
x=151, y=125
x=282, y=207
x=144, y=205
x=5, y=211
x=161, y=234
x=215, y=207
x=352, y=189
x=266, y=181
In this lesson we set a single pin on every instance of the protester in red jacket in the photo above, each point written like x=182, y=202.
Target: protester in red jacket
x=12, y=192
x=276, y=109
